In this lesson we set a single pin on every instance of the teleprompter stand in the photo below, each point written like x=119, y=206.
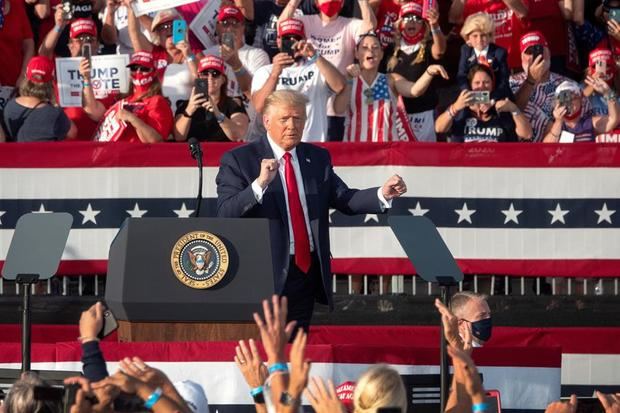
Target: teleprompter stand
x=34, y=254
x=435, y=264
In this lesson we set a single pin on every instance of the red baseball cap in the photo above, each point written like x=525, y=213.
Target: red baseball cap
x=600, y=55
x=211, y=62
x=344, y=392
x=81, y=26
x=291, y=27
x=40, y=69
x=230, y=12
x=144, y=59
x=534, y=38
x=411, y=7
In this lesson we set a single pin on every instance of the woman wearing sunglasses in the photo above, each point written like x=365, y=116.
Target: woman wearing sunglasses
x=175, y=63
x=418, y=44
x=143, y=115
x=213, y=116
x=370, y=98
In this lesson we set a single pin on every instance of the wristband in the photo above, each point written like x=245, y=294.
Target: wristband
x=85, y=84
x=278, y=367
x=185, y=114
x=191, y=58
x=479, y=407
x=83, y=339
x=57, y=28
x=241, y=71
x=153, y=398
x=436, y=30
x=220, y=118
x=314, y=58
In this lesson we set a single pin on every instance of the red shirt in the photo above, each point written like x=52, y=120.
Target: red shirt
x=546, y=16
x=508, y=27
x=16, y=29
x=154, y=111
x=386, y=19
x=86, y=127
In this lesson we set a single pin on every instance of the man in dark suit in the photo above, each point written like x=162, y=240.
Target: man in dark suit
x=293, y=185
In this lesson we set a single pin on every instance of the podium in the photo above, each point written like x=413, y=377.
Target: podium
x=201, y=279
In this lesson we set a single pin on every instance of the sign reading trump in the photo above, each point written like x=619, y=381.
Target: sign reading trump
x=109, y=76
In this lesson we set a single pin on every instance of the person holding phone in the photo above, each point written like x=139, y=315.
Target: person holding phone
x=419, y=43
x=306, y=71
x=209, y=114
x=571, y=123
x=370, y=98
x=143, y=115
x=534, y=88
x=474, y=117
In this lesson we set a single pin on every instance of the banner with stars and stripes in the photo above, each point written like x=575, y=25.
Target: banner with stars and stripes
x=523, y=209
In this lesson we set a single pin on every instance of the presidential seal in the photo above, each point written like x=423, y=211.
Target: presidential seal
x=199, y=259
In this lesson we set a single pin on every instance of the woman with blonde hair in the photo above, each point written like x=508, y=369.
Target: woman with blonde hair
x=418, y=45
x=380, y=386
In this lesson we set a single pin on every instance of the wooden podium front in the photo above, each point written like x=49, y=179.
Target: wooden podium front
x=129, y=331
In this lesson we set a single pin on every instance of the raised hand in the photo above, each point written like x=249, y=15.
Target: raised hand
x=250, y=364
x=274, y=330
x=394, y=187
x=268, y=171
x=300, y=365
x=450, y=326
x=323, y=398
x=563, y=407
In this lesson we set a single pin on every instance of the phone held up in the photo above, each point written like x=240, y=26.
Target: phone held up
x=288, y=45
x=87, y=52
x=65, y=395
x=67, y=10
x=228, y=40
x=179, y=30
x=481, y=97
x=109, y=324
x=202, y=86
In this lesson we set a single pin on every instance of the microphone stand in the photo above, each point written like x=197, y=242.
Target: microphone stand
x=196, y=151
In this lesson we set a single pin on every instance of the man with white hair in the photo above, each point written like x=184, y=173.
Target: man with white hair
x=468, y=322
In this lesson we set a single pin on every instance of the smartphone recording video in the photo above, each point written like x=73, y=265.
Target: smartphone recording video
x=288, y=46
x=202, y=86
x=537, y=50
x=481, y=97
x=86, y=52
x=228, y=40
x=179, y=31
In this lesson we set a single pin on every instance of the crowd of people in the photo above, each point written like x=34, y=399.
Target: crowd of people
x=373, y=70
x=276, y=384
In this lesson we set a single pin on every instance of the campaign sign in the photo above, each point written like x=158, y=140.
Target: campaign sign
x=109, y=75
x=141, y=7
x=5, y=95
x=203, y=24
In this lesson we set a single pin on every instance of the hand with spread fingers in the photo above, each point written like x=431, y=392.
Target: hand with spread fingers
x=250, y=364
x=610, y=402
x=323, y=398
x=274, y=330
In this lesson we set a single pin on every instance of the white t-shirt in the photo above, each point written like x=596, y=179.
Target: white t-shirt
x=335, y=40
x=308, y=80
x=252, y=59
x=120, y=22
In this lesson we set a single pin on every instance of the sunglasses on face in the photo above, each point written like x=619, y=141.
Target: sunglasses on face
x=140, y=69
x=213, y=73
x=230, y=23
x=84, y=39
x=412, y=18
x=164, y=27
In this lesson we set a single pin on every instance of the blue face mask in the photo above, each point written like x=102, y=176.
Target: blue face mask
x=481, y=329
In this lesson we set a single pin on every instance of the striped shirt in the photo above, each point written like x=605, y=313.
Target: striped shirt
x=372, y=112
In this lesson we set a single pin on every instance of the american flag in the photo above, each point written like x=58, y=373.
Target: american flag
x=524, y=209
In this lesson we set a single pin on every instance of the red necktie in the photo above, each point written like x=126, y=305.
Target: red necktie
x=300, y=232
x=482, y=59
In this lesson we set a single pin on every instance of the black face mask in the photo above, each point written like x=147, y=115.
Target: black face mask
x=482, y=329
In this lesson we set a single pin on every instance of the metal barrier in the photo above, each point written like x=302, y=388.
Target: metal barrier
x=94, y=285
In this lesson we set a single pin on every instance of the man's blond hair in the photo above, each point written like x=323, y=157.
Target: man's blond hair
x=285, y=98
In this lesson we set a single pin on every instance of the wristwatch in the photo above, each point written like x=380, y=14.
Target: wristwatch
x=286, y=399
x=220, y=117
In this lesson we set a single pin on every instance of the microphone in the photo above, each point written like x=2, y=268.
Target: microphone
x=196, y=151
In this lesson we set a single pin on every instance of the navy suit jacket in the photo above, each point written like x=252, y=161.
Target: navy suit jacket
x=240, y=166
x=498, y=60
